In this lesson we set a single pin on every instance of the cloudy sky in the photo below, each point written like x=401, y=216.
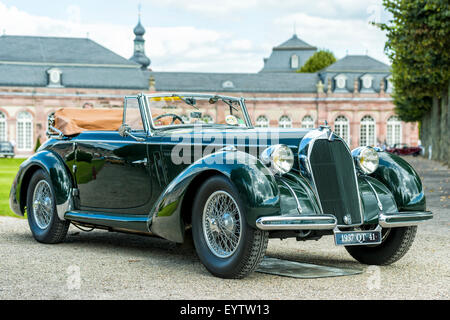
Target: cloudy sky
x=204, y=35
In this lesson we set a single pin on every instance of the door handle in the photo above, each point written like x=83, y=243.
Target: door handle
x=144, y=161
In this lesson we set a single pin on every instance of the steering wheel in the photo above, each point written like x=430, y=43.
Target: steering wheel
x=174, y=117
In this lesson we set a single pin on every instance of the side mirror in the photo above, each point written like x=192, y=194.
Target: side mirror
x=125, y=131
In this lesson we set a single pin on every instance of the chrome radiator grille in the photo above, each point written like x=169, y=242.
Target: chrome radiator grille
x=334, y=177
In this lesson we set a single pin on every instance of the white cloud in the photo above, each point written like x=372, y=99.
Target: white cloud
x=208, y=6
x=74, y=13
x=320, y=8
x=183, y=47
x=356, y=36
x=205, y=49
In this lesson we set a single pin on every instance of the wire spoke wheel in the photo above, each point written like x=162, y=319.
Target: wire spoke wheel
x=222, y=224
x=42, y=204
x=43, y=219
x=225, y=243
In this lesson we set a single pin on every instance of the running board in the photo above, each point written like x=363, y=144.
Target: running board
x=115, y=221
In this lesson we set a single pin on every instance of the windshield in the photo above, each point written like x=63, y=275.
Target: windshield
x=188, y=110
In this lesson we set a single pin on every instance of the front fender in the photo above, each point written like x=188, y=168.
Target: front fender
x=376, y=198
x=255, y=184
x=402, y=180
x=59, y=175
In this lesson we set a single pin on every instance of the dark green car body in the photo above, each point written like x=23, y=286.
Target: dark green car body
x=108, y=180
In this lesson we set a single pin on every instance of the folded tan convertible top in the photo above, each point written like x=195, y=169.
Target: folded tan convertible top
x=71, y=121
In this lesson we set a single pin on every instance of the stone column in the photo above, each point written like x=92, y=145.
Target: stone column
x=356, y=87
x=382, y=87
x=354, y=133
x=381, y=130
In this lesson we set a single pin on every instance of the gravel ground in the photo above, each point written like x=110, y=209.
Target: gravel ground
x=102, y=265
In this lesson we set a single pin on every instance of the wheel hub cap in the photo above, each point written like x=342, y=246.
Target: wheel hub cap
x=227, y=223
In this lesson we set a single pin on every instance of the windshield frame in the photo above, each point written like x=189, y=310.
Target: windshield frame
x=241, y=102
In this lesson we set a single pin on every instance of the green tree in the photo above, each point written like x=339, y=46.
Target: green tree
x=38, y=144
x=318, y=61
x=419, y=47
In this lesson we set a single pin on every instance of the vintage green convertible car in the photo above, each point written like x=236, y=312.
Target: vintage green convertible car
x=172, y=165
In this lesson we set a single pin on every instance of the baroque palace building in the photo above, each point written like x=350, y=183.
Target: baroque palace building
x=38, y=75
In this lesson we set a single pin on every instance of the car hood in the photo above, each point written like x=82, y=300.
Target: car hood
x=235, y=136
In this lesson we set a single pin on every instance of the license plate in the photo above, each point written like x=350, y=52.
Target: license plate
x=357, y=238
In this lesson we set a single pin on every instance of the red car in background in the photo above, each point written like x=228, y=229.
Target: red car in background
x=404, y=150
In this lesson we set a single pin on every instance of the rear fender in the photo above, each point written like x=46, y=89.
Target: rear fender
x=59, y=175
x=253, y=181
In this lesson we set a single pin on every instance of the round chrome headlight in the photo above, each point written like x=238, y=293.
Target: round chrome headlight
x=278, y=158
x=367, y=159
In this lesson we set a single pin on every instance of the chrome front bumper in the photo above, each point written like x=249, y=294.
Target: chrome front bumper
x=329, y=222
x=403, y=219
x=297, y=222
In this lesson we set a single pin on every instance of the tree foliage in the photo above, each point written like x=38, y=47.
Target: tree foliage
x=38, y=144
x=419, y=47
x=318, y=61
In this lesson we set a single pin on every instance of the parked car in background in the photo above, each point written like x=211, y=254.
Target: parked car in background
x=404, y=150
x=6, y=149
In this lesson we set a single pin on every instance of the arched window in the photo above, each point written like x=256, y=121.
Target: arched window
x=285, y=122
x=262, y=122
x=307, y=122
x=3, y=136
x=342, y=128
x=367, y=133
x=24, y=131
x=394, y=131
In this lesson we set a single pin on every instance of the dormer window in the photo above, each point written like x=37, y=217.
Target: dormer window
x=54, y=77
x=341, y=81
x=294, y=62
x=366, y=81
x=389, y=84
x=228, y=84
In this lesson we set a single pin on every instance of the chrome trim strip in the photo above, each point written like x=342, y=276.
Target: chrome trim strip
x=288, y=222
x=299, y=207
x=380, y=205
x=412, y=216
x=246, y=115
x=67, y=206
x=76, y=139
